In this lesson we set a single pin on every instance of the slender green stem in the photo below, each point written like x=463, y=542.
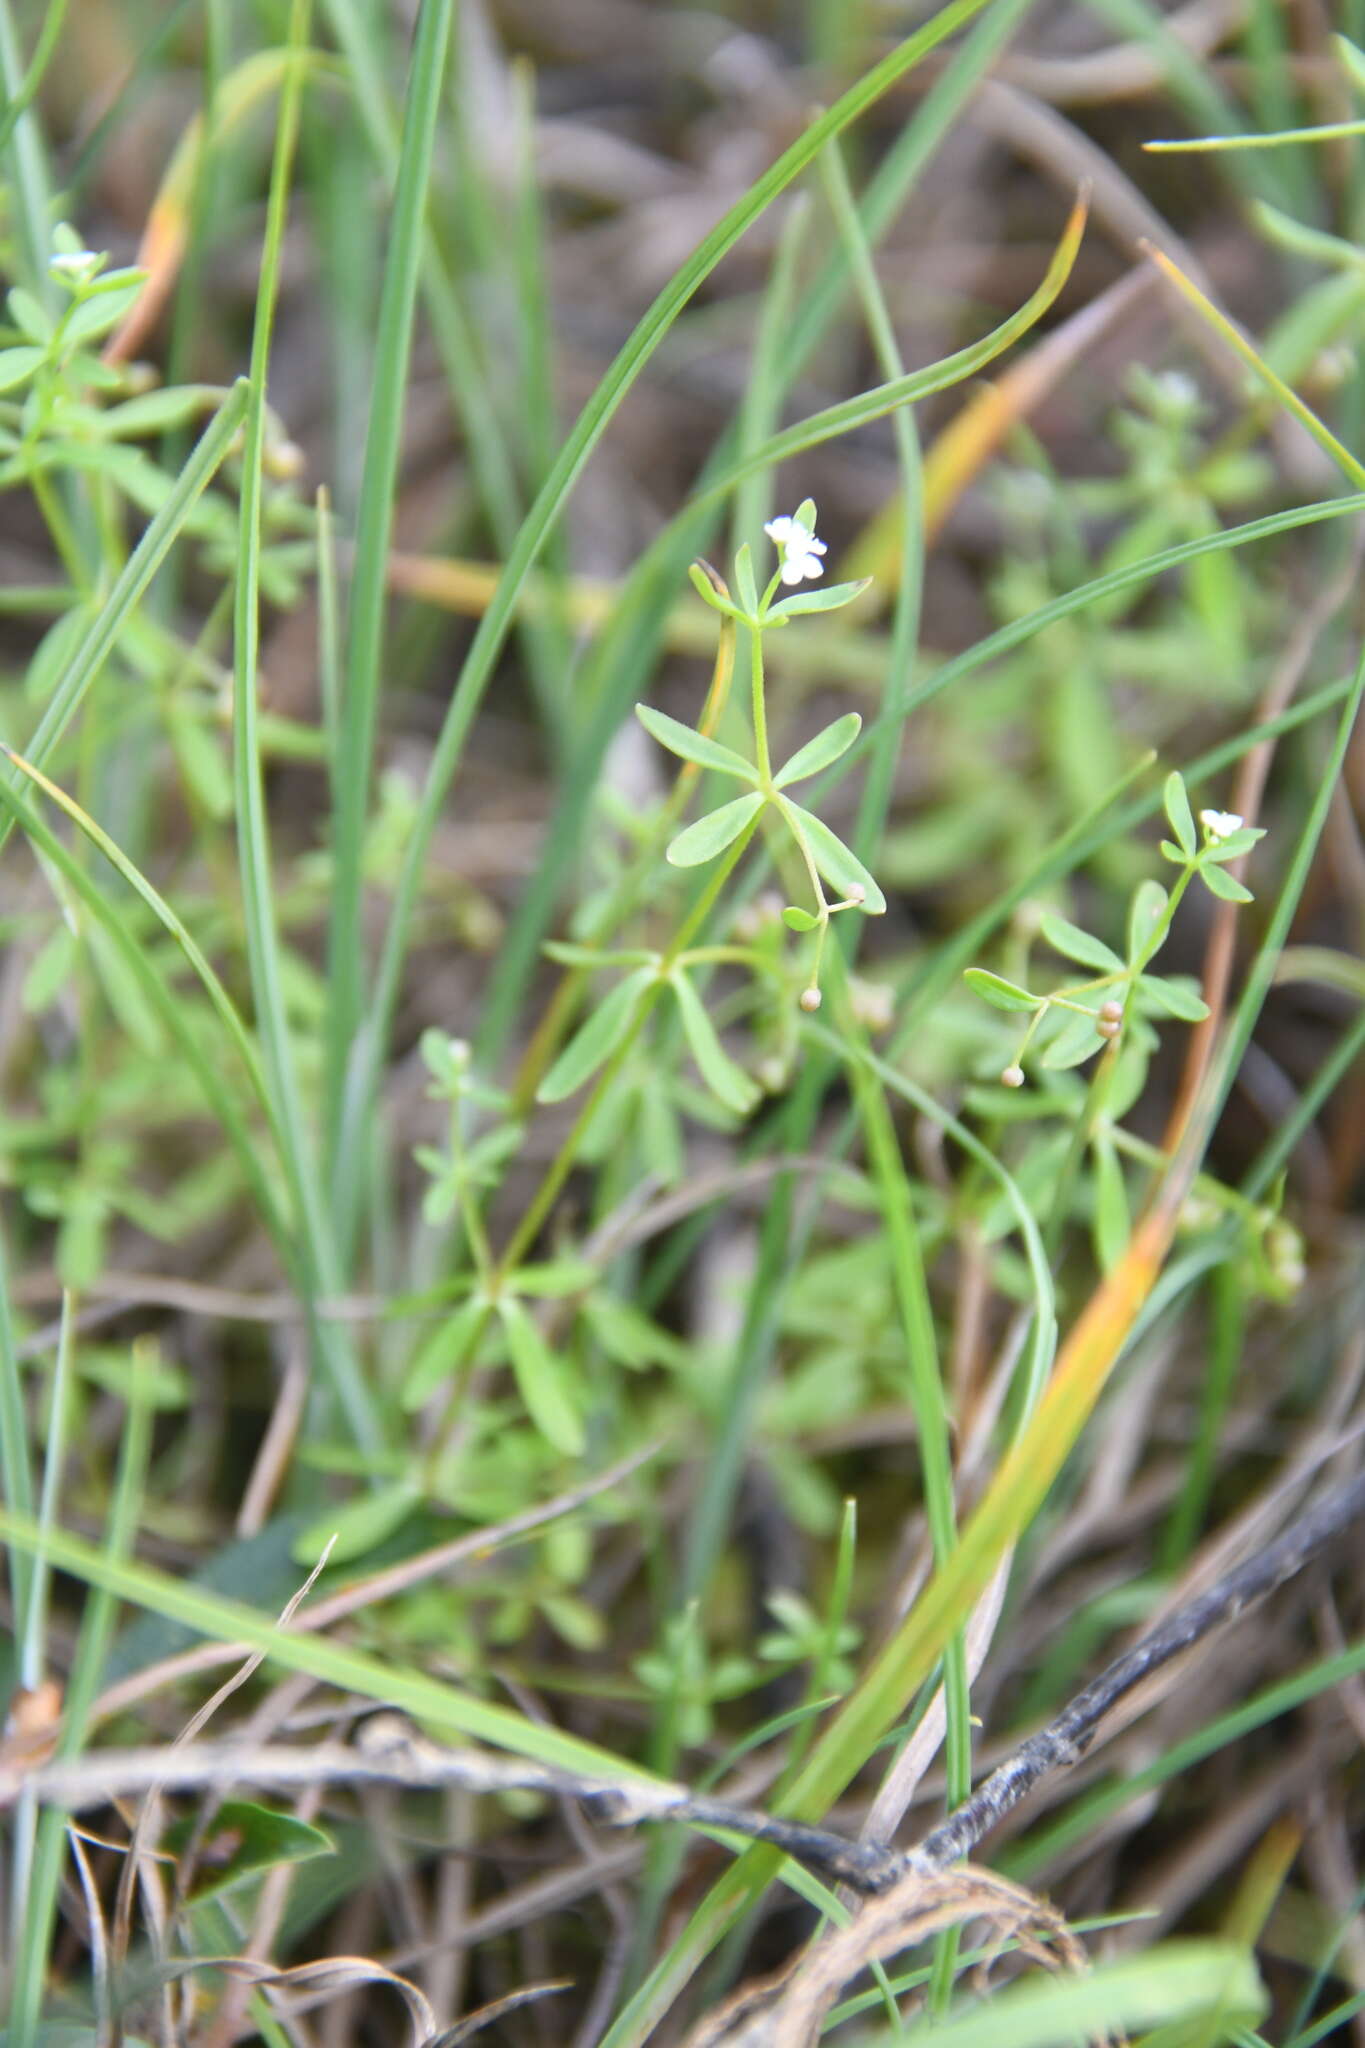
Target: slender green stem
x=332, y=1341
x=369, y=581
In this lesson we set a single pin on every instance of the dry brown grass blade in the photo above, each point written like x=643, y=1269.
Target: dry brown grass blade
x=787, y=2010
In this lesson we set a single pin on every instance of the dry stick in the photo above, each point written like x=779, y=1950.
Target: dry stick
x=1067, y=1738
x=387, y=1750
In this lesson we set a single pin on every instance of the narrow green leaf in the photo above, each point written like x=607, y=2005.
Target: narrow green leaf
x=1112, y=1223
x=553, y=1277
x=1236, y=844
x=1077, y=1040
x=713, y=833
x=694, y=746
x=597, y=1038
x=826, y=597
x=727, y=1081
x=353, y=765
x=822, y=751
x=1145, y=913
x=1178, y=1981
x=1074, y=944
x=1220, y=883
x=1178, y=811
x=253, y=1838
x=29, y=315
x=359, y=1527
x=840, y=867
x=569, y=955
x=628, y=1336
x=442, y=1352
x=542, y=1381
x=1173, y=998
x=706, y=590
x=744, y=581
x=1004, y=995
x=17, y=365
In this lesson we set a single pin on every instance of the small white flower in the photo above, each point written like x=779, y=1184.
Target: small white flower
x=1220, y=825
x=80, y=265
x=798, y=547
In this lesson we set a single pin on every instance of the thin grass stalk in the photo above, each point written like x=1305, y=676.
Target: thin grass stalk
x=354, y=764
x=16, y=1471
x=905, y=617
x=490, y=460
x=31, y=1645
x=28, y=178
x=49, y=35
x=38, y=1902
x=333, y=1343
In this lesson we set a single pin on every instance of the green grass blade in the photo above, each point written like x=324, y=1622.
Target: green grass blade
x=354, y=765
x=39, y=1902
x=319, y=1264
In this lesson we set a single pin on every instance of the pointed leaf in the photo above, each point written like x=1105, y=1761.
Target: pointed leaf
x=827, y=597
x=1219, y=883
x=841, y=868
x=18, y=364
x=553, y=1277
x=706, y=590
x=798, y=920
x=1004, y=995
x=744, y=581
x=359, y=1527
x=1112, y=1224
x=442, y=1352
x=1236, y=844
x=818, y=753
x=542, y=1381
x=1173, y=998
x=1074, y=944
x=1144, y=915
x=245, y=1837
x=1180, y=815
x=694, y=746
x=728, y=1082
x=596, y=1039
x=570, y=955
x=713, y=833
x=1075, y=1042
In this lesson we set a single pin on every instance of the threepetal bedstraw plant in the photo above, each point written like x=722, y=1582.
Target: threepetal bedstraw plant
x=824, y=855
x=608, y=1032
x=1097, y=1010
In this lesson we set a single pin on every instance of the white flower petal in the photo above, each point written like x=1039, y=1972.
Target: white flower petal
x=797, y=547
